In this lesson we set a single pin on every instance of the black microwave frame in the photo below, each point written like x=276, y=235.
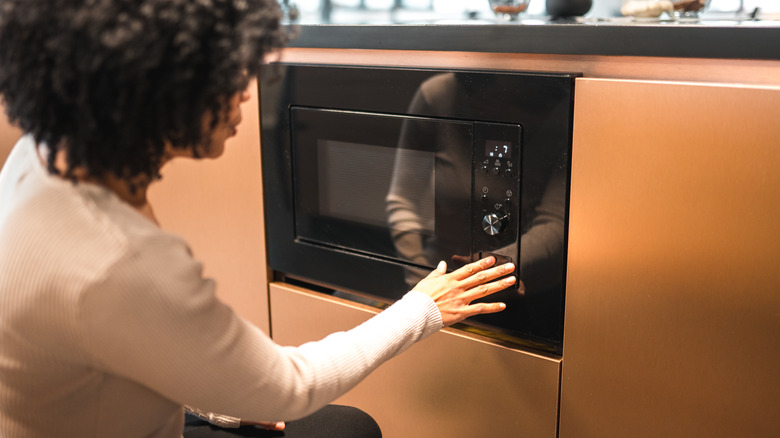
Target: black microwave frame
x=386, y=90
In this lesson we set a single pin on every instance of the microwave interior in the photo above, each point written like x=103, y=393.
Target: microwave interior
x=374, y=175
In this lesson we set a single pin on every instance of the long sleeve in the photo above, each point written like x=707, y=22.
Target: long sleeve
x=109, y=328
x=163, y=327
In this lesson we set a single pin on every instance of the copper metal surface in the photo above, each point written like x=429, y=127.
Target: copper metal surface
x=216, y=205
x=613, y=67
x=672, y=310
x=8, y=136
x=449, y=385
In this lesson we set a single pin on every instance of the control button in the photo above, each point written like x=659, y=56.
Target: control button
x=497, y=163
x=485, y=190
x=496, y=171
x=494, y=223
x=508, y=171
x=507, y=202
x=509, y=193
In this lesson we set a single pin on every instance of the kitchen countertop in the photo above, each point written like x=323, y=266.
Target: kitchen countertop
x=727, y=39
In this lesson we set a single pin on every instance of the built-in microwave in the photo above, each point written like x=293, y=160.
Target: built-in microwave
x=373, y=175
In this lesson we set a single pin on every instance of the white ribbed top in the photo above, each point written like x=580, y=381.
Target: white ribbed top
x=107, y=326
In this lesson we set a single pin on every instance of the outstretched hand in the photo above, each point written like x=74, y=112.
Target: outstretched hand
x=454, y=292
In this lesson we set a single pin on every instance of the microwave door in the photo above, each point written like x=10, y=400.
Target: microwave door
x=429, y=213
x=377, y=185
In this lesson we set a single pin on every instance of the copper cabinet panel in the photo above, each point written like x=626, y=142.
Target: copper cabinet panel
x=448, y=385
x=672, y=305
x=217, y=206
x=9, y=134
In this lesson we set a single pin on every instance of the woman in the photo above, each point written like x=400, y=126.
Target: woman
x=107, y=326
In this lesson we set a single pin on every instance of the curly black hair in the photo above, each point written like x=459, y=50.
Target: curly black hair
x=114, y=80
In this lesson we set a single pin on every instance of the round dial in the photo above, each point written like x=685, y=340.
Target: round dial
x=494, y=223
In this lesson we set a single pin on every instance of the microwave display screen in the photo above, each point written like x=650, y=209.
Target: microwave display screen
x=498, y=149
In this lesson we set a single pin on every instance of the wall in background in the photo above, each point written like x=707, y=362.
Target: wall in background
x=216, y=205
x=8, y=136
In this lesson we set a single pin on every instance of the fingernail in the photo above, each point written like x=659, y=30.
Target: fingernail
x=509, y=267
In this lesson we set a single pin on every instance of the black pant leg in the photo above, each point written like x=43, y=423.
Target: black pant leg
x=332, y=421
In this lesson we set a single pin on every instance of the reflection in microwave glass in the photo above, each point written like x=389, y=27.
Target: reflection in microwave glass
x=354, y=181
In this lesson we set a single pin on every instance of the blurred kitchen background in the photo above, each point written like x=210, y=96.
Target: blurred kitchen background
x=479, y=11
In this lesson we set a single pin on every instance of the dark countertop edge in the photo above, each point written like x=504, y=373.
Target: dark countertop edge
x=679, y=41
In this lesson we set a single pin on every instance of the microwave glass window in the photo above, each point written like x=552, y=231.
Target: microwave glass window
x=388, y=186
x=355, y=183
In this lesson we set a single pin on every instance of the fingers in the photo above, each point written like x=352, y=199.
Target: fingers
x=472, y=268
x=278, y=426
x=275, y=425
x=485, y=290
x=455, y=293
x=440, y=270
x=490, y=275
x=483, y=308
x=492, y=287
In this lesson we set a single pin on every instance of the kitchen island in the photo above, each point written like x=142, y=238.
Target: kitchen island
x=673, y=249
x=727, y=39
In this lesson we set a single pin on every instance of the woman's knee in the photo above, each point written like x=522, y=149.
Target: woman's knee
x=336, y=421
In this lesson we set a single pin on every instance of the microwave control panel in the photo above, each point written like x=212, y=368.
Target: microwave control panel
x=496, y=199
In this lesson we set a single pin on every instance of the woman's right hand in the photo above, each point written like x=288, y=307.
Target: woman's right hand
x=454, y=292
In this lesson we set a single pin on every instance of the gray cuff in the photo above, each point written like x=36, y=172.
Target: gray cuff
x=225, y=421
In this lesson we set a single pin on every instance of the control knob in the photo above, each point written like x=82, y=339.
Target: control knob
x=494, y=223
